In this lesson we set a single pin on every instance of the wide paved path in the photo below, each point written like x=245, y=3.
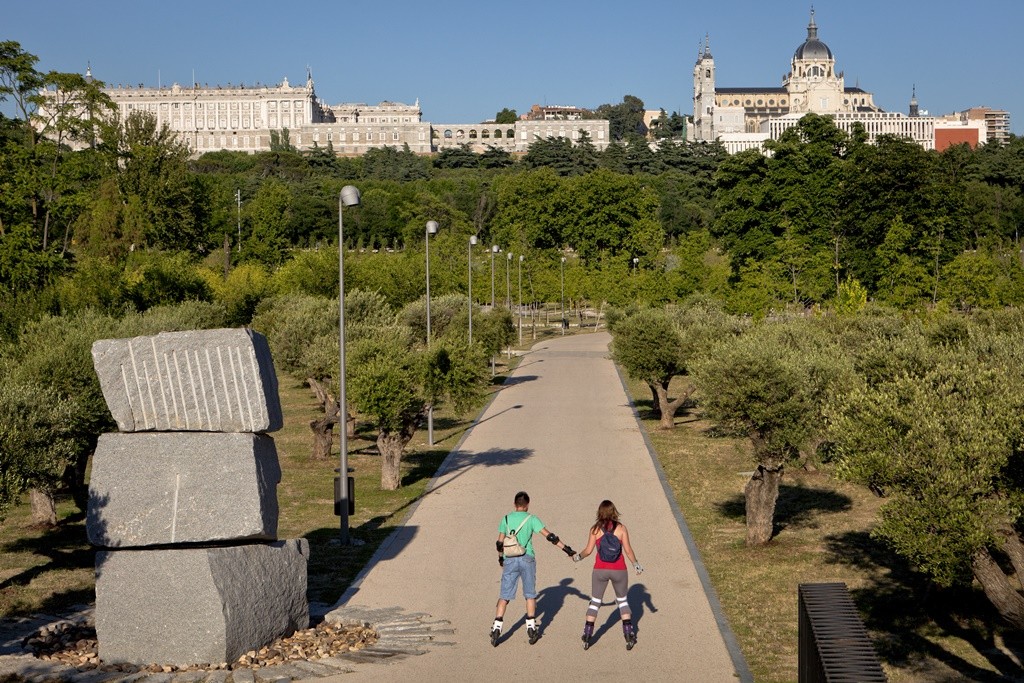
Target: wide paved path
x=563, y=429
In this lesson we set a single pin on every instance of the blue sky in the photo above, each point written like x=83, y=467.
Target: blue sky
x=467, y=60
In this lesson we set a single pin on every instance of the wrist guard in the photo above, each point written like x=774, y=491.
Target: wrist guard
x=568, y=551
x=497, y=544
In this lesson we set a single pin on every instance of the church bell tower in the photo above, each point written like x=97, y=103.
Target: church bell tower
x=704, y=94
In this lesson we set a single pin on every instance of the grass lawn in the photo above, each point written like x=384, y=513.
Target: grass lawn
x=823, y=535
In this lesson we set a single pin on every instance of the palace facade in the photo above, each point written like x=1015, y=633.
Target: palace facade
x=245, y=118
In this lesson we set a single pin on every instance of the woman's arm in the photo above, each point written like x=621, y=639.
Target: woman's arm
x=626, y=547
x=591, y=544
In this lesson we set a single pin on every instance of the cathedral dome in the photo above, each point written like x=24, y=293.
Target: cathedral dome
x=812, y=48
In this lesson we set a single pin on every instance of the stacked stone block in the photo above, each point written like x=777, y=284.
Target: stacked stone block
x=183, y=502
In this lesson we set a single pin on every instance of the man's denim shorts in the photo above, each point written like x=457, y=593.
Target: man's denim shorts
x=523, y=567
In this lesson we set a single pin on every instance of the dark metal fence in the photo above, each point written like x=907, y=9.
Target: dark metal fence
x=834, y=645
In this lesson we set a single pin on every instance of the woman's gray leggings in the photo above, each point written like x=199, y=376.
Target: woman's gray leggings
x=599, y=583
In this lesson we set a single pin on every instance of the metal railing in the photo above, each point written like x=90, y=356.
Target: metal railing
x=833, y=644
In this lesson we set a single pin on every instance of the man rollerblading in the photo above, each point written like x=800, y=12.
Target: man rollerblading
x=518, y=563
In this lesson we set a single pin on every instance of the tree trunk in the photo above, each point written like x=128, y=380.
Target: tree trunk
x=669, y=408
x=44, y=507
x=762, y=491
x=1007, y=601
x=391, y=446
x=323, y=436
x=1015, y=550
x=323, y=428
x=655, y=400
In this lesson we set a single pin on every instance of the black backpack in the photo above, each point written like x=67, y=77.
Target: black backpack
x=609, y=548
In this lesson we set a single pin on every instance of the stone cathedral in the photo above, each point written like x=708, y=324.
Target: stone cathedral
x=812, y=85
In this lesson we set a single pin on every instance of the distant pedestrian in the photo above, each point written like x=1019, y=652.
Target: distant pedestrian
x=515, y=555
x=611, y=539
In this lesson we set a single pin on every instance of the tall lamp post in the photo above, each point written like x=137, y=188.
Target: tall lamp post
x=563, y=295
x=520, y=311
x=508, y=282
x=431, y=230
x=636, y=261
x=469, y=262
x=238, y=201
x=349, y=196
x=494, y=250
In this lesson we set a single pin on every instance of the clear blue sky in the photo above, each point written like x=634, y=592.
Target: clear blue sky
x=467, y=60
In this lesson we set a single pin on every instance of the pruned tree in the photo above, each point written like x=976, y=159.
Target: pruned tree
x=39, y=439
x=649, y=347
x=656, y=345
x=942, y=443
x=392, y=383
x=303, y=335
x=770, y=385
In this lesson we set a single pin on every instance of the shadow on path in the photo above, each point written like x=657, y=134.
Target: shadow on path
x=473, y=424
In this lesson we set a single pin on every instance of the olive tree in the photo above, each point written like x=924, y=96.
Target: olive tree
x=943, y=444
x=51, y=375
x=303, y=334
x=393, y=382
x=769, y=385
x=649, y=347
x=39, y=439
x=655, y=345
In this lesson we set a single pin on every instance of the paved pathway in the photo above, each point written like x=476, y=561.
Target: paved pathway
x=563, y=429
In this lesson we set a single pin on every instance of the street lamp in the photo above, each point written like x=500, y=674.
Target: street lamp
x=636, y=260
x=238, y=200
x=349, y=196
x=520, y=310
x=469, y=262
x=563, y=295
x=494, y=250
x=431, y=230
x=508, y=283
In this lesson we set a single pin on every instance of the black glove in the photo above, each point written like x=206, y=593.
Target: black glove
x=501, y=560
x=568, y=551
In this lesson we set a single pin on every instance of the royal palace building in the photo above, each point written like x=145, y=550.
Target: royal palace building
x=247, y=117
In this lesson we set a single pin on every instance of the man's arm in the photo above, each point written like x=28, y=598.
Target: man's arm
x=553, y=538
x=499, y=544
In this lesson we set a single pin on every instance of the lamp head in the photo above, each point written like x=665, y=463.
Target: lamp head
x=563, y=259
x=472, y=240
x=521, y=257
x=495, y=249
x=431, y=227
x=510, y=255
x=350, y=195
